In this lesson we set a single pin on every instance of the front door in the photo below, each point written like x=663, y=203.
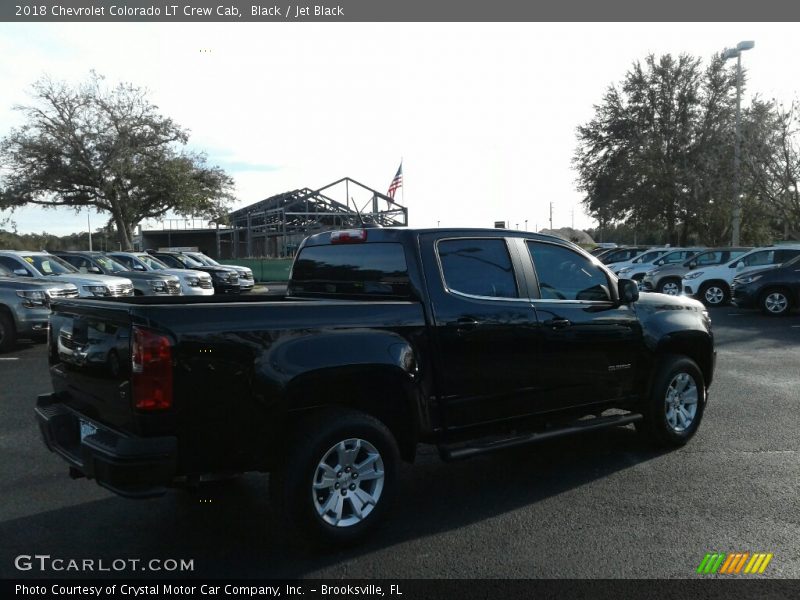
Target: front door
x=589, y=342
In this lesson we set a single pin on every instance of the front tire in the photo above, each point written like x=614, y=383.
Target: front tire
x=715, y=294
x=670, y=287
x=675, y=403
x=338, y=479
x=775, y=303
x=8, y=332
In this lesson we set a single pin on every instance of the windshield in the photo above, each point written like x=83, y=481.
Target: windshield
x=47, y=264
x=206, y=260
x=150, y=262
x=109, y=264
x=189, y=261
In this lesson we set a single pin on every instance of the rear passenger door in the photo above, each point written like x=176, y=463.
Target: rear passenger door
x=589, y=342
x=485, y=329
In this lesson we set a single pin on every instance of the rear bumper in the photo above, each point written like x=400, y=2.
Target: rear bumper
x=129, y=466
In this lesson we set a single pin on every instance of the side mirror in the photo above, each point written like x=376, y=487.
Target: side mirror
x=740, y=265
x=138, y=268
x=659, y=263
x=22, y=272
x=628, y=291
x=95, y=270
x=693, y=264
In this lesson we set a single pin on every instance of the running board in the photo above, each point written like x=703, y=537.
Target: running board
x=458, y=451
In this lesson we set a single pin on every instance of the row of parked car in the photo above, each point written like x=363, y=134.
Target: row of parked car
x=29, y=280
x=767, y=277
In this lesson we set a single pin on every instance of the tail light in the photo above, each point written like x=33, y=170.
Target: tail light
x=151, y=366
x=349, y=236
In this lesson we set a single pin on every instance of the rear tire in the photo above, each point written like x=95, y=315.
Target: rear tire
x=8, y=333
x=337, y=481
x=675, y=403
x=775, y=302
x=715, y=293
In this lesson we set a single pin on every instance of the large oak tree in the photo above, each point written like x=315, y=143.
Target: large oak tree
x=110, y=148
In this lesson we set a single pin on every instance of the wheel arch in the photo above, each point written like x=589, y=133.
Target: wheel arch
x=382, y=391
x=719, y=282
x=694, y=345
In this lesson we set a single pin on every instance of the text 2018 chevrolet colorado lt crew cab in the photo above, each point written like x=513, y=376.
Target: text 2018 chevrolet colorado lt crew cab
x=472, y=340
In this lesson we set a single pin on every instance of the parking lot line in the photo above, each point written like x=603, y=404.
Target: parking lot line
x=9, y=358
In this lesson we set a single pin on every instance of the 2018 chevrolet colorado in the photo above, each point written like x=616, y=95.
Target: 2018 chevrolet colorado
x=472, y=340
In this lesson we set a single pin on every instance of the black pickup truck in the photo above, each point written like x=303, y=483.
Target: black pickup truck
x=469, y=339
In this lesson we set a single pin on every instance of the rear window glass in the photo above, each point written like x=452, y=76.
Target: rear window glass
x=377, y=269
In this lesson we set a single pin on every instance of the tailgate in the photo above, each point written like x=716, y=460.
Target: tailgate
x=89, y=350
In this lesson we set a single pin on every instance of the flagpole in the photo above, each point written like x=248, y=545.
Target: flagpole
x=403, y=191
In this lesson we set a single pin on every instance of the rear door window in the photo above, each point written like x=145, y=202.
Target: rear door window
x=478, y=267
x=765, y=257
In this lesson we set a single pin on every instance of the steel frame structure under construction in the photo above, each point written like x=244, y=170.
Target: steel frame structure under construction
x=274, y=227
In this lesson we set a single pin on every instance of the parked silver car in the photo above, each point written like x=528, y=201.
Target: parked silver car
x=193, y=283
x=145, y=283
x=24, y=306
x=44, y=264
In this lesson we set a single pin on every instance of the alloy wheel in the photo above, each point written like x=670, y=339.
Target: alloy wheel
x=680, y=402
x=714, y=295
x=670, y=288
x=776, y=303
x=348, y=482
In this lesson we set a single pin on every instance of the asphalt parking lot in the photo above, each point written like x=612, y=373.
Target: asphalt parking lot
x=600, y=506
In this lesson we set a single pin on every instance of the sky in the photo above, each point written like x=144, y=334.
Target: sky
x=483, y=116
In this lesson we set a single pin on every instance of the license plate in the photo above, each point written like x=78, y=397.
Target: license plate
x=87, y=429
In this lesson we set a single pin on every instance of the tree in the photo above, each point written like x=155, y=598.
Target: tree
x=656, y=151
x=772, y=163
x=107, y=148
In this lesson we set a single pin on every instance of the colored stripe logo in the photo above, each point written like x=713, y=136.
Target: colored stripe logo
x=734, y=563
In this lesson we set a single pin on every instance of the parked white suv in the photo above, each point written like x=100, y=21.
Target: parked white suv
x=42, y=264
x=712, y=285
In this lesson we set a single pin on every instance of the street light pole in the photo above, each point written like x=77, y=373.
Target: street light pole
x=737, y=200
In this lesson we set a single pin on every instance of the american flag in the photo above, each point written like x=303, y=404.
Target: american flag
x=397, y=182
